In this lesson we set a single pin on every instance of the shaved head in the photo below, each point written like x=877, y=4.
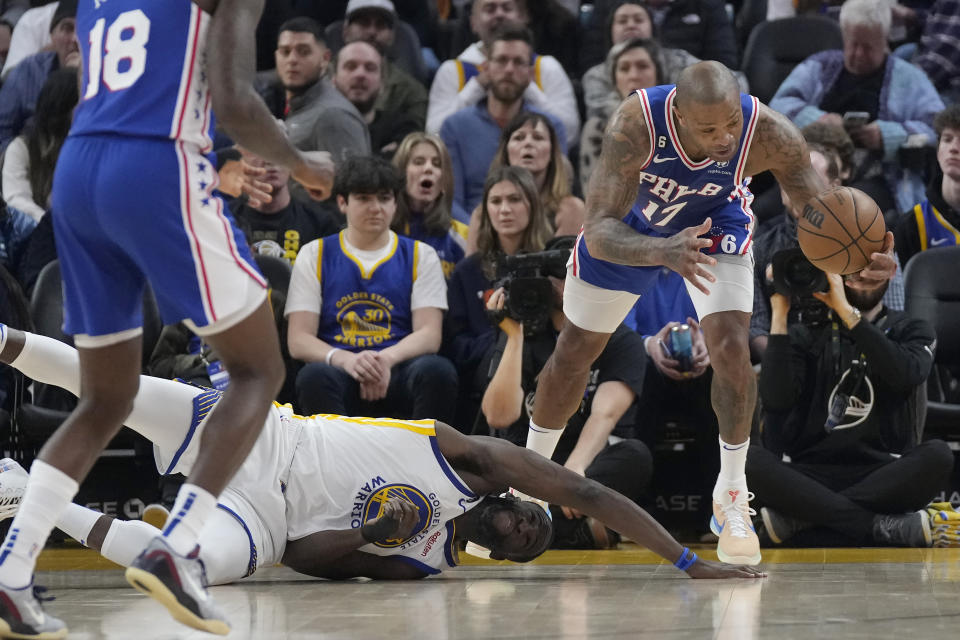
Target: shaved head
x=706, y=83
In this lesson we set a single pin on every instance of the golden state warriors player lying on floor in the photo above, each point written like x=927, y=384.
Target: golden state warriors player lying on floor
x=340, y=497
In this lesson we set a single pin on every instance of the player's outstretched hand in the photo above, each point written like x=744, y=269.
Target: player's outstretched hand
x=315, y=172
x=709, y=569
x=682, y=253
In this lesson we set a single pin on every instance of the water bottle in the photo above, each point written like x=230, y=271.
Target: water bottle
x=681, y=346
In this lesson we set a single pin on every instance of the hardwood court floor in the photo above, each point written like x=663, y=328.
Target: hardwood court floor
x=628, y=593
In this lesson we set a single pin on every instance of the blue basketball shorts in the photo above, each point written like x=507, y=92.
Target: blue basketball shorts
x=128, y=211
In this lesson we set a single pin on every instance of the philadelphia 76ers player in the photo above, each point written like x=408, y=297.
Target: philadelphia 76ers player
x=671, y=189
x=134, y=202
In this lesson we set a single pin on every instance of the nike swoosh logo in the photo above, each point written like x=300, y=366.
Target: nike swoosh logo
x=733, y=448
x=657, y=159
x=936, y=242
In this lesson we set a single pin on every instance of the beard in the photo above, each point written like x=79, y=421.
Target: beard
x=506, y=91
x=865, y=300
x=366, y=106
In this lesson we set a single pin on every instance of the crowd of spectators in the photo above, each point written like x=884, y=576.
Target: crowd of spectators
x=465, y=132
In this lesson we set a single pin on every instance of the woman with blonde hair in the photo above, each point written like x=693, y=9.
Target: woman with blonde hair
x=426, y=209
x=530, y=141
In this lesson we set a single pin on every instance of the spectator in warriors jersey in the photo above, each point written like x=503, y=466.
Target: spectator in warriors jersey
x=425, y=206
x=935, y=222
x=473, y=133
x=467, y=80
x=365, y=309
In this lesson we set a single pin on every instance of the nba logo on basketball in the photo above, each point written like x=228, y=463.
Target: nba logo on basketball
x=815, y=217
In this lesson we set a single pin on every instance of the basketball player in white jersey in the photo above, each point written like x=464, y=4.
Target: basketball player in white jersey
x=339, y=497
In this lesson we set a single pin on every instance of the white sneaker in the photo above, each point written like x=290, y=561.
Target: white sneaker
x=13, y=482
x=738, y=542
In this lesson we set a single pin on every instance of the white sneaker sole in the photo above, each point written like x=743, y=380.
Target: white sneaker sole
x=6, y=632
x=146, y=582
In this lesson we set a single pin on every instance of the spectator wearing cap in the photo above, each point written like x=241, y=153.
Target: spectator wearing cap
x=375, y=21
x=465, y=81
x=18, y=96
x=317, y=116
x=358, y=74
x=31, y=35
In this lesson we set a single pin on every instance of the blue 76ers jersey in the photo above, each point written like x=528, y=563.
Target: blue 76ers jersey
x=675, y=193
x=144, y=71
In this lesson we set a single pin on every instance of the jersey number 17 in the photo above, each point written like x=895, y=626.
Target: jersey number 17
x=118, y=60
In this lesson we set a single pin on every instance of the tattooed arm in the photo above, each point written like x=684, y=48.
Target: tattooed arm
x=613, y=189
x=778, y=146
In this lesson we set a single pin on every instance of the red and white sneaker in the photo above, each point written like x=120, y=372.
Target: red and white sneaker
x=731, y=523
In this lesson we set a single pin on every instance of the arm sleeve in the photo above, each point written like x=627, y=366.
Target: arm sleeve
x=452, y=140
x=557, y=97
x=465, y=342
x=31, y=34
x=430, y=287
x=341, y=134
x=305, y=292
x=782, y=374
x=920, y=103
x=902, y=357
x=795, y=97
x=446, y=98
x=16, y=180
x=11, y=108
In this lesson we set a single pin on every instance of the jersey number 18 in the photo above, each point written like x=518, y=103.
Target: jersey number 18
x=107, y=57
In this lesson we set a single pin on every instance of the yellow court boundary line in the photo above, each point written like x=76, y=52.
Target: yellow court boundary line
x=73, y=558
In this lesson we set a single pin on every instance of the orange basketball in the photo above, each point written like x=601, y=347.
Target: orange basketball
x=839, y=229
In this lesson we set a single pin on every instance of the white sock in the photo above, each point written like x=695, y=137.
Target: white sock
x=543, y=441
x=49, y=361
x=48, y=493
x=77, y=521
x=190, y=512
x=733, y=470
x=126, y=539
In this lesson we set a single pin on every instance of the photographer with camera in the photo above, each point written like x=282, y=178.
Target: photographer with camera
x=843, y=405
x=527, y=307
x=512, y=221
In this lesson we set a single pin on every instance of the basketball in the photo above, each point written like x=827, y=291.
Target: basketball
x=839, y=230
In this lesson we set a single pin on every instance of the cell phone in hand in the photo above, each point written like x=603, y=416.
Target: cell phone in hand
x=855, y=119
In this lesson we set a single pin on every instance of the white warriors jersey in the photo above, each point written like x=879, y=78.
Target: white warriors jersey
x=345, y=469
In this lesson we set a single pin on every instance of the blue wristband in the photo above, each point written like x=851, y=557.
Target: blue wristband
x=686, y=559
